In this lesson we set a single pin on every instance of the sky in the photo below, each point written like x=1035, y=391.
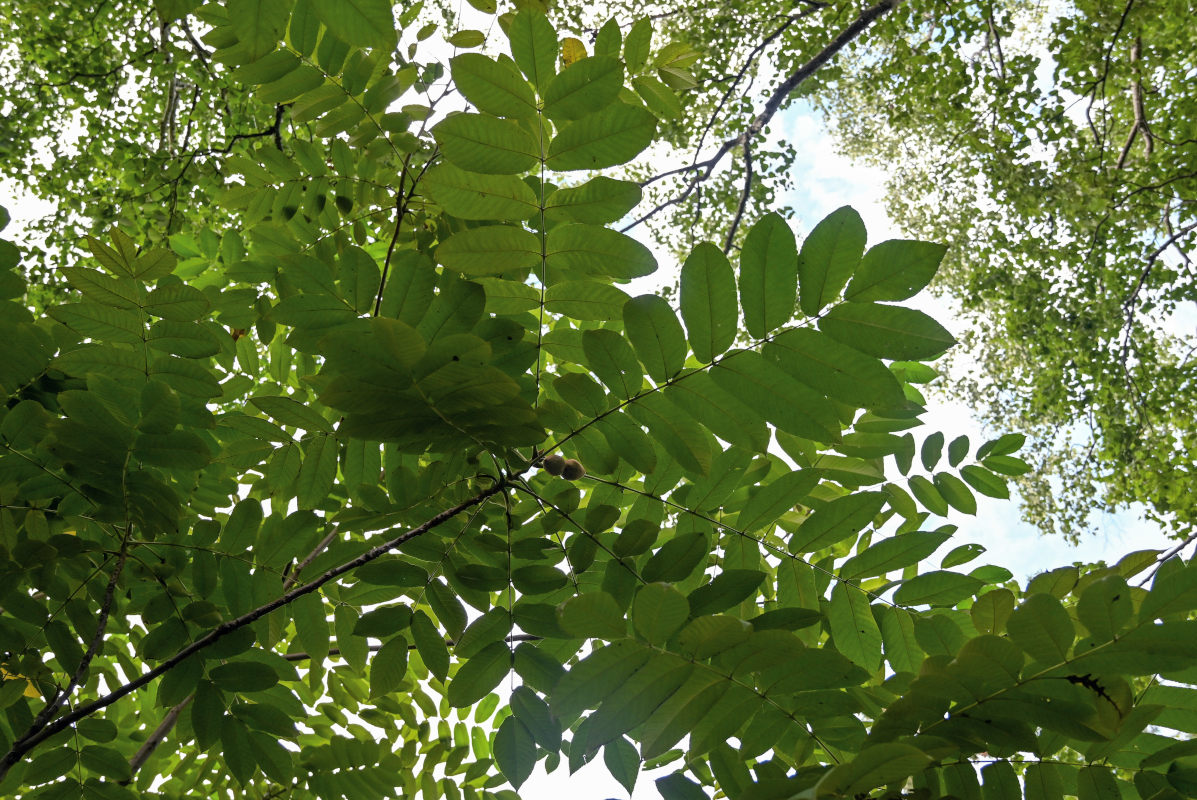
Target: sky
x=824, y=181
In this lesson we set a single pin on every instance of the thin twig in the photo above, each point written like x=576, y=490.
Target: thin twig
x=776, y=100
x=154, y=739
x=744, y=195
x=293, y=578
x=1137, y=108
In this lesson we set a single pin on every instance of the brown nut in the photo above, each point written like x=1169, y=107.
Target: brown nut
x=553, y=464
x=573, y=470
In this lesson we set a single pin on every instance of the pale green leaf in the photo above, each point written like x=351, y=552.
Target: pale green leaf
x=768, y=275
x=708, y=301
x=582, y=88
x=494, y=87
x=656, y=335
x=895, y=270
x=886, y=331
x=613, y=136
x=478, y=143
x=829, y=256
x=490, y=250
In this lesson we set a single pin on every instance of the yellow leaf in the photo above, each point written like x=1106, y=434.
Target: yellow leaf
x=572, y=50
x=30, y=689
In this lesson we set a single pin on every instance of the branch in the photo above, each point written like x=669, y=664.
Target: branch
x=74, y=76
x=151, y=743
x=402, y=201
x=1128, y=305
x=992, y=36
x=41, y=722
x=779, y=96
x=27, y=743
x=1140, y=122
x=293, y=578
x=200, y=52
x=731, y=233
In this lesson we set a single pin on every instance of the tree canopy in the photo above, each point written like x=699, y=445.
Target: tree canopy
x=1054, y=147
x=350, y=422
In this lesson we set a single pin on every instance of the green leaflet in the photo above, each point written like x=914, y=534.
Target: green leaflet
x=985, y=482
x=1043, y=782
x=259, y=25
x=902, y=649
x=834, y=369
x=590, y=681
x=515, y=751
x=478, y=143
x=719, y=410
x=585, y=300
x=689, y=443
x=1040, y=626
x=892, y=553
x=829, y=256
x=318, y=473
x=783, y=401
x=267, y=69
x=611, y=358
x=875, y=766
x=311, y=625
x=594, y=614
x=291, y=412
x=886, y=331
x=480, y=675
x=534, y=713
x=656, y=336
x=895, y=270
x=956, y=493
x=926, y=493
x=97, y=321
x=708, y=301
x=119, y=292
x=622, y=761
x=991, y=611
x=659, y=612
x=470, y=195
x=768, y=275
x=1171, y=592
x=490, y=250
x=961, y=555
x=533, y=46
x=629, y=441
x=659, y=98
x=836, y=521
x=776, y=498
x=938, y=588
x=856, y=633
x=613, y=136
x=494, y=87
x=583, y=88
x=366, y=21
x=388, y=667
x=931, y=450
x=727, y=589
x=597, y=201
x=594, y=250
x=634, y=700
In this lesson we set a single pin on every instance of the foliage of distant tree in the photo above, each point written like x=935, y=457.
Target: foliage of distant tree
x=1053, y=147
